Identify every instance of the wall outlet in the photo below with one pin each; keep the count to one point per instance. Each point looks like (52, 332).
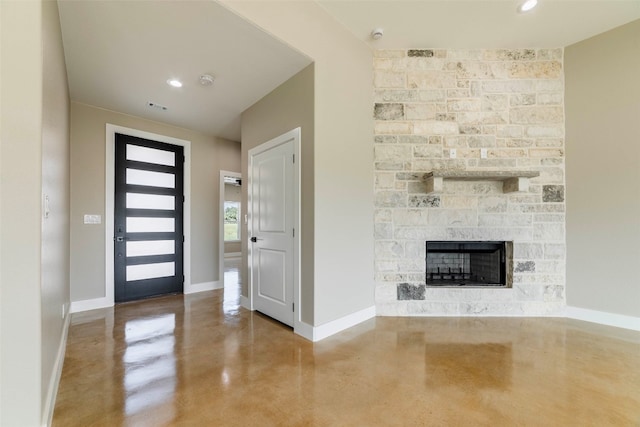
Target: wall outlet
(453, 153)
(483, 153)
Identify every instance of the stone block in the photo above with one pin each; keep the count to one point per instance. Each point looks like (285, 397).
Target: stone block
(385, 266)
(410, 217)
(536, 115)
(382, 215)
(398, 95)
(420, 233)
(430, 79)
(548, 231)
(525, 267)
(422, 53)
(386, 139)
(506, 152)
(439, 164)
(424, 201)
(395, 152)
(494, 102)
(549, 217)
(420, 111)
(459, 202)
(484, 141)
(550, 98)
(527, 250)
(453, 217)
(520, 99)
(383, 231)
(413, 139)
(391, 199)
(420, 187)
(470, 129)
(545, 131)
(509, 131)
(386, 292)
(408, 291)
(393, 128)
(509, 55)
(389, 79)
(446, 117)
(418, 63)
(434, 127)
(388, 111)
(384, 180)
(464, 54)
(495, 163)
(431, 95)
(476, 70)
(504, 220)
(389, 53)
(416, 250)
(555, 250)
(518, 142)
(388, 249)
(471, 104)
(434, 184)
(483, 117)
(535, 70)
(549, 54)
(508, 86)
(553, 193)
(458, 93)
(549, 86)
(550, 142)
(389, 166)
(546, 152)
(429, 151)
(554, 293)
(456, 141)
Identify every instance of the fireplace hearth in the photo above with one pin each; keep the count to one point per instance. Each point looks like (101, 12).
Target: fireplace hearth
(467, 264)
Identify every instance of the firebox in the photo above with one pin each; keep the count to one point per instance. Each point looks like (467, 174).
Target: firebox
(471, 264)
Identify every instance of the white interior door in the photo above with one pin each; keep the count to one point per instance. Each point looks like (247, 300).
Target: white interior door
(271, 210)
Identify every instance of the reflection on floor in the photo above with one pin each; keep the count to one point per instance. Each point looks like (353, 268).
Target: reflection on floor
(201, 360)
(232, 282)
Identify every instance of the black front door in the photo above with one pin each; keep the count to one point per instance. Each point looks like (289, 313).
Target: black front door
(148, 222)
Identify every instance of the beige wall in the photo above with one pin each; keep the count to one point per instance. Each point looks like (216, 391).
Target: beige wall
(33, 251)
(232, 193)
(208, 156)
(55, 184)
(603, 171)
(289, 106)
(343, 155)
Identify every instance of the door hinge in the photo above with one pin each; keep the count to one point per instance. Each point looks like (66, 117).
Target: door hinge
(294, 158)
(183, 279)
(182, 239)
(293, 232)
(184, 159)
(293, 307)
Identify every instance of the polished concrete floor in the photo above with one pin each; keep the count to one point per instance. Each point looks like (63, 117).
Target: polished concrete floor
(201, 360)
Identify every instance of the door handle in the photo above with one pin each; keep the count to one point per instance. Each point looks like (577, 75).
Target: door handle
(255, 239)
(119, 239)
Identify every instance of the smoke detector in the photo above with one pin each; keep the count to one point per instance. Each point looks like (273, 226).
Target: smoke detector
(206, 80)
(377, 33)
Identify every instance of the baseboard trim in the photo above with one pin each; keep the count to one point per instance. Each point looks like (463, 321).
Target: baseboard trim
(90, 304)
(232, 254)
(604, 318)
(245, 302)
(202, 287)
(54, 382)
(317, 333)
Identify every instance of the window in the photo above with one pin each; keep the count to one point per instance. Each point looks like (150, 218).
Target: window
(231, 221)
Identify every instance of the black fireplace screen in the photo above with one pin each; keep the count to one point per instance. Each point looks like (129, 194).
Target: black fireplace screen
(466, 264)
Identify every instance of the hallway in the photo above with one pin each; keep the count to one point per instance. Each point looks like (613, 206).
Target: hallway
(201, 360)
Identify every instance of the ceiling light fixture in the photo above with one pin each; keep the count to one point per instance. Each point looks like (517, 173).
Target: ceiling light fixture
(174, 82)
(527, 5)
(206, 80)
(377, 33)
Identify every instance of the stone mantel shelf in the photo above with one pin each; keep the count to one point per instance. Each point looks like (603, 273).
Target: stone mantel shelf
(513, 180)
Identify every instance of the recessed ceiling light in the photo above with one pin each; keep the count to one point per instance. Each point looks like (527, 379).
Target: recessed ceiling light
(206, 80)
(527, 5)
(174, 82)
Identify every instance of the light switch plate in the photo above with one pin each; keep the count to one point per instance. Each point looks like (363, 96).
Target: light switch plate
(453, 153)
(483, 153)
(92, 219)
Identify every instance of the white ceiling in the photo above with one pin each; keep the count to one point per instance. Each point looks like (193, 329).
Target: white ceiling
(480, 23)
(119, 54)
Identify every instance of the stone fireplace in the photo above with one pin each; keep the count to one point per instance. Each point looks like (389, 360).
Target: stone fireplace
(469, 146)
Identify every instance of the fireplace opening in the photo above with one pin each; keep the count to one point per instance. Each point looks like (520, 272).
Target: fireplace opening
(472, 264)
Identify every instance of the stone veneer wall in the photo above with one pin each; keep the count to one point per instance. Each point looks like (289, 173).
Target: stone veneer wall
(510, 102)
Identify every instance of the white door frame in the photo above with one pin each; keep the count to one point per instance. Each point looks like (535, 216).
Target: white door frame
(111, 131)
(221, 229)
(295, 135)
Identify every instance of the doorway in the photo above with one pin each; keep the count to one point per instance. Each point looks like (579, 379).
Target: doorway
(231, 220)
(274, 228)
(109, 228)
(148, 229)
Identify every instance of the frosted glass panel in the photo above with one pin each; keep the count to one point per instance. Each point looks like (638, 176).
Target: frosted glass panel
(151, 155)
(150, 271)
(154, 179)
(150, 201)
(150, 225)
(150, 247)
